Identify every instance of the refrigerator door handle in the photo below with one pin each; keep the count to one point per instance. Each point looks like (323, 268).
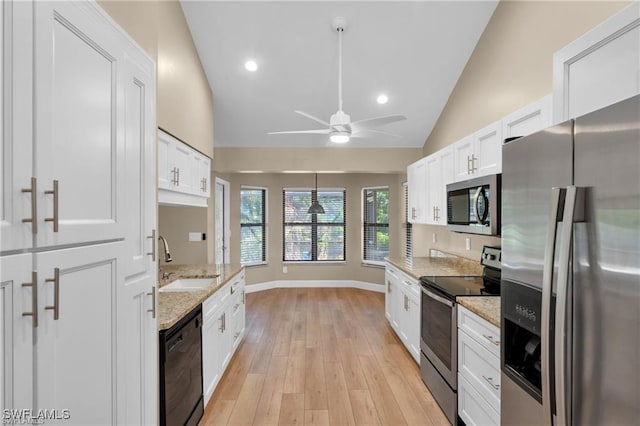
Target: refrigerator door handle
(555, 216)
(573, 212)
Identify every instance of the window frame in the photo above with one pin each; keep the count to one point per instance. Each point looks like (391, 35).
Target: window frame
(264, 224)
(369, 262)
(314, 227)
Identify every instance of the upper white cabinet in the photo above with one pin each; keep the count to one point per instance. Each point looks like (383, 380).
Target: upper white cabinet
(439, 174)
(599, 68)
(417, 188)
(527, 120)
(78, 193)
(479, 154)
(184, 174)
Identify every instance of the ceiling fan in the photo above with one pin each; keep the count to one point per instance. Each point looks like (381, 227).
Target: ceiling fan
(340, 128)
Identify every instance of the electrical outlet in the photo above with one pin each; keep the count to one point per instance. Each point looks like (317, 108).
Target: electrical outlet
(434, 238)
(195, 236)
(285, 269)
(468, 243)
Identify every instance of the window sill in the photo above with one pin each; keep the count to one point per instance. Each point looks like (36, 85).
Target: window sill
(373, 264)
(248, 265)
(314, 262)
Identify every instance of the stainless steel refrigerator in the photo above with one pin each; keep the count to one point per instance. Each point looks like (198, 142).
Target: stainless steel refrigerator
(571, 272)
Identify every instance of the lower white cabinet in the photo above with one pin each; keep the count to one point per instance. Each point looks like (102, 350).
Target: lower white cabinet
(222, 331)
(478, 369)
(402, 308)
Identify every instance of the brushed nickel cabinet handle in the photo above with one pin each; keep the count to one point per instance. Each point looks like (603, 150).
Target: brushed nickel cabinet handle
(56, 294)
(153, 247)
(34, 206)
(55, 218)
(243, 295)
(224, 322)
(490, 338)
(178, 176)
(388, 286)
(34, 298)
(153, 302)
(221, 326)
(490, 381)
(473, 163)
(204, 181)
(173, 176)
(468, 165)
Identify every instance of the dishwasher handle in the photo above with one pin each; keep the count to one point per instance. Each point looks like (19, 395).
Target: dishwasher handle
(175, 343)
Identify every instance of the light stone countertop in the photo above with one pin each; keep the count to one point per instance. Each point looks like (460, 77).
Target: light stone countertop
(487, 307)
(174, 305)
(436, 266)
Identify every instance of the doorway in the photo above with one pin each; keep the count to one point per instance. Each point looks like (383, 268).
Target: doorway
(222, 224)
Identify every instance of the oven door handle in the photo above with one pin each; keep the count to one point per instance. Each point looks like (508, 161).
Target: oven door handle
(440, 299)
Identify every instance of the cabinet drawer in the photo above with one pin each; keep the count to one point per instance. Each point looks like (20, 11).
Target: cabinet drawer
(472, 408)
(214, 301)
(480, 368)
(485, 333)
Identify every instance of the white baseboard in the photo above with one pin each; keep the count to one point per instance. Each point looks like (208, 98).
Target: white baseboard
(252, 288)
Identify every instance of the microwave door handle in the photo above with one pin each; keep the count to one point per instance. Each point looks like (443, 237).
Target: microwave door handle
(475, 206)
(555, 216)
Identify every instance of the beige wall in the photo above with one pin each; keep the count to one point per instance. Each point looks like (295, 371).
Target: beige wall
(353, 160)
(510, 68)
(352, 269)
(184, 104)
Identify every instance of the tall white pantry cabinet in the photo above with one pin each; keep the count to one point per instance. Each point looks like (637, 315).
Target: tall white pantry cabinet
(78, 267)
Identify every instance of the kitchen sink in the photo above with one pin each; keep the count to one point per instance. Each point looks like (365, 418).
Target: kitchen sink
(188, 284)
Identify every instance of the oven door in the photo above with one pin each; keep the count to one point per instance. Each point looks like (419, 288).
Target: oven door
(439, 334)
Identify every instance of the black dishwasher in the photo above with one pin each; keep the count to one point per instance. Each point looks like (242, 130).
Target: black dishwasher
(181, 371)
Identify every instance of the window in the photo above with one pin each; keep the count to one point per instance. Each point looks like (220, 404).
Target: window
(407, 237)
(375, 244)
(253, 224)
(313, 237)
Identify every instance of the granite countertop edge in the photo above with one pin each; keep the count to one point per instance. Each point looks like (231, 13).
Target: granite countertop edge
(436, 266)
(173, 306)
(486, 307)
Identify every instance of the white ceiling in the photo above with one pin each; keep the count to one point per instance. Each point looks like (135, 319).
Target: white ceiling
(413, 51)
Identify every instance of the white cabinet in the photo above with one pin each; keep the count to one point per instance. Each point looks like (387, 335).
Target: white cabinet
(439, 174)
(417, 188)
(402, 306)
(81, 135)
(478, 369)
(479, 154)
(184, 174)
(600, 68)
(222, 331)
(530, 119)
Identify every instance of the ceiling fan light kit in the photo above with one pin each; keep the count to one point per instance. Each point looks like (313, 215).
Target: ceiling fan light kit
(340, 128)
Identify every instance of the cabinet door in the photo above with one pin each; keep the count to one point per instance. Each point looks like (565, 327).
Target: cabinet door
(600, 68)
(211, 353)
(463, 156)
(182, 156)
(78, 297)
(16, 69)
(78, 124)
(434, 190)
(413, 327)
(203, 176)
(416, 181)
(388, 300)
(16, 332)
(165, 166)
(140, 164)
(527, 120)
(447, 175)
(487, 158)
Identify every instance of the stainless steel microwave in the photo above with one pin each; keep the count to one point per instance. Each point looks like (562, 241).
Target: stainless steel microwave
(473, 206)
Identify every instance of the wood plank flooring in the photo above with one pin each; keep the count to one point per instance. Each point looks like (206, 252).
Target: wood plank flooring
(320, 356)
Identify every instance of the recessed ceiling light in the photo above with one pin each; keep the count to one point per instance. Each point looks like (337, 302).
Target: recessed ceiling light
(251, 65)
(382, 99)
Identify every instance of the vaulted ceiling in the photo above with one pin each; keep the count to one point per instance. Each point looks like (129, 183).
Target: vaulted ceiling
(412, 51)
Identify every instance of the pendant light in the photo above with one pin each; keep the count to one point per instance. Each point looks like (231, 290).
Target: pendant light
(316, 208)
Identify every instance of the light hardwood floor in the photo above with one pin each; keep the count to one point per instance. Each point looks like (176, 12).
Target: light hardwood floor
(321, 357)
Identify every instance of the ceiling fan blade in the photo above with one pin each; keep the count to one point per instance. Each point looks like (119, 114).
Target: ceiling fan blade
(316, 132)
(376, 122)
(369, 133)
(309, 116)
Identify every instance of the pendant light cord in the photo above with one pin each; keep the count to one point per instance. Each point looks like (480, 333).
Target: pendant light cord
(340, 30)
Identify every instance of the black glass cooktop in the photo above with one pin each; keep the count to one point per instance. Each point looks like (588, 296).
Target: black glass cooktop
(462, 286)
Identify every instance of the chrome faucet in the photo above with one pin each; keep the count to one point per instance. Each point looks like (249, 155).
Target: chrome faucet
(167, 255)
